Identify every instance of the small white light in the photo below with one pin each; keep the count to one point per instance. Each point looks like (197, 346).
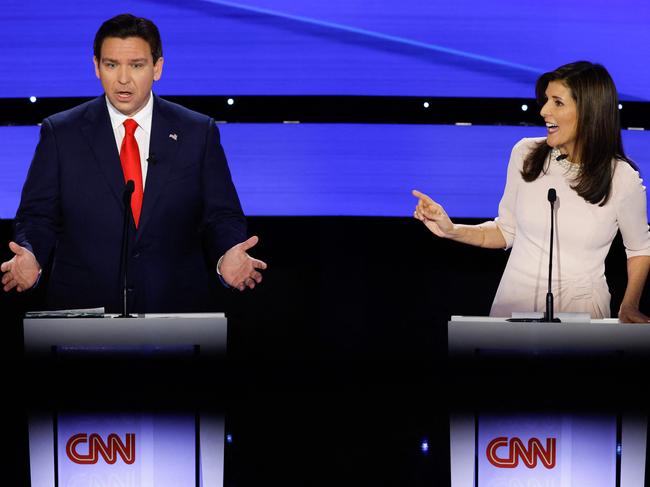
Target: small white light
(231, 101)
(425, 104)
(424, 446)
(228, 438)
(620, 106)
(524, 108)
(32, 99)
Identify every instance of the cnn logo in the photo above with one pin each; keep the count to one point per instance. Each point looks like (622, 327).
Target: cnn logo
(516, 450)
(96, 448)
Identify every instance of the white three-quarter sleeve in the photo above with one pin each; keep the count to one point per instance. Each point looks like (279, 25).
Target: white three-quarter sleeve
(631, 210)
(506, 221)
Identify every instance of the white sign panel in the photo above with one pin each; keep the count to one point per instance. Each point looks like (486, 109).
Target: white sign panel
(126, 450)
(561, 450)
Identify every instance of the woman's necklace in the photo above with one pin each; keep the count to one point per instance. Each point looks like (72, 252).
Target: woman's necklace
(571, 168)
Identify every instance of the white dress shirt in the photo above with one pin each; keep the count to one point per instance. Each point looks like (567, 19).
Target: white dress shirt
(142, 132)
(142, 136)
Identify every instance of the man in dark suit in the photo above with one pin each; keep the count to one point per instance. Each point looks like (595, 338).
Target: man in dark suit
(187, 226)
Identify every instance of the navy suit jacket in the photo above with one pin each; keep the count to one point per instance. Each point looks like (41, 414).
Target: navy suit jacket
(71, 211)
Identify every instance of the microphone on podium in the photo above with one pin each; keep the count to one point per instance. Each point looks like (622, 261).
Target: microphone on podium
(129, 188)
(548, 315)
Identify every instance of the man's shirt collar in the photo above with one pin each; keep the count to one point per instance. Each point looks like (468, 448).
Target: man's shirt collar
(142, 118)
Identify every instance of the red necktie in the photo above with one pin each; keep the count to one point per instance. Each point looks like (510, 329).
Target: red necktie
(130, 159)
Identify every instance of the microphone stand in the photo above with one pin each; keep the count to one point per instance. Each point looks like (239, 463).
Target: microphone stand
(128, 191)
(548, 315)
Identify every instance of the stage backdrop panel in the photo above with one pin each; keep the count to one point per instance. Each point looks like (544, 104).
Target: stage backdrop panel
(464, 48)
(346, 169)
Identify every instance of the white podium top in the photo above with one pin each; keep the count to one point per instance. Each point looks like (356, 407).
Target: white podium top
(467, 334)
(208, 331)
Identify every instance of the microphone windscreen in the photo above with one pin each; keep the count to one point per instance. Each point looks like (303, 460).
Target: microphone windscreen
(552, 195)
(129, 187)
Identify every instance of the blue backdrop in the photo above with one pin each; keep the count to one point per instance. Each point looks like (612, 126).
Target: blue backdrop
(346, 169)
(351, 47)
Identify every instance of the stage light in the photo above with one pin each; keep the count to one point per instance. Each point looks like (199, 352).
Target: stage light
(425, 104)
(228, 438)
(424, 446)
(620, 106)
(32, 99)
(231, 101)
(524, 108)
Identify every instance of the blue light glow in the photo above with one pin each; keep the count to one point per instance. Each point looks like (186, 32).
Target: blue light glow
(424, 446)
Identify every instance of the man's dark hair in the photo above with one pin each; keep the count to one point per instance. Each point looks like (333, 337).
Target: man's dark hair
(598, 132)
(127, 25)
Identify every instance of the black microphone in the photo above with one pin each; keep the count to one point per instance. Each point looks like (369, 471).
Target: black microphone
(126, 198)
(561, 157)
(548, 315)
(129, 188)
(152, 159)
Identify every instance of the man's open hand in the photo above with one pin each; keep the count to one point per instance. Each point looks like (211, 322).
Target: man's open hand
(239, 269)
(22, 271)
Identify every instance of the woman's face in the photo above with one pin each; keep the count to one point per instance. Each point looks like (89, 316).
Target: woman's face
(560, 113)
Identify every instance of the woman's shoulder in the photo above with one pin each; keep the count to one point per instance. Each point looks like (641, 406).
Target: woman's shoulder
(527, 144)
(625, 170)
(521, 150)
(625, 176)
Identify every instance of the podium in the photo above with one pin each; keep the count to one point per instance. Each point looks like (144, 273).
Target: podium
(469, 335)
(125, 447)
(207, 332)
(488, 448)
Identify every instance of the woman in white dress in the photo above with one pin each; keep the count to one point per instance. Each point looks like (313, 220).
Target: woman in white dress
(599, 191)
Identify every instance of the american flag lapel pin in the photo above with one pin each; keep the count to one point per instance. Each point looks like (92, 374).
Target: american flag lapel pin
(173, 136)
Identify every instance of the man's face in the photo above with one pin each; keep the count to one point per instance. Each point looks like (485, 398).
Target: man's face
(127, 71)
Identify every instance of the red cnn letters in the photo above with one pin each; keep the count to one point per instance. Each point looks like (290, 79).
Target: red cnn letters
(96, 447)
(517, 450)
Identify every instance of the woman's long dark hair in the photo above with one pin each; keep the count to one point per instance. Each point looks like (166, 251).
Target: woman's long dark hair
(598, 132)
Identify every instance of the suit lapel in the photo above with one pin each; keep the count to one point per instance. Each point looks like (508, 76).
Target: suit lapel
(163, 146)
(99, 134)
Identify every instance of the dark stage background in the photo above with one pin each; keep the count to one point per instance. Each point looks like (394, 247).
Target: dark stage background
(351, 288)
